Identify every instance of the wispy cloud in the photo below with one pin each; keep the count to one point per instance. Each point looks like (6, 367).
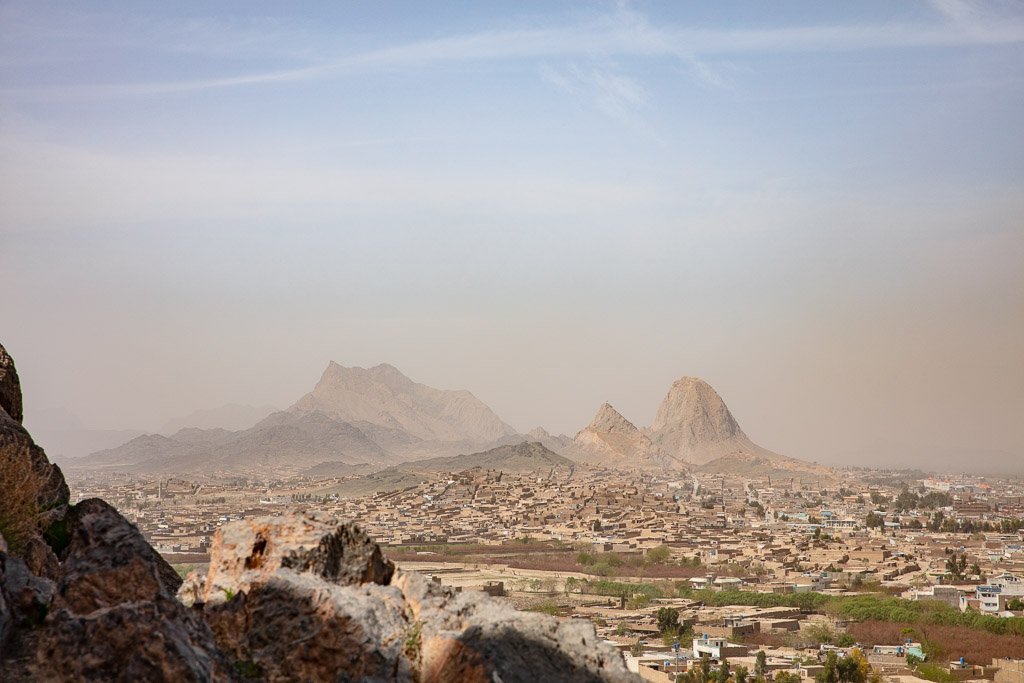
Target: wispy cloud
(620, 33)
(614, 93)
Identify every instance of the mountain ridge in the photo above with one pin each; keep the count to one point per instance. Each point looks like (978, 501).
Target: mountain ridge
(385, 397)
(380, 418)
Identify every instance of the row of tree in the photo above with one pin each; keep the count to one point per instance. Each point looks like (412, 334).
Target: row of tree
(850, 668)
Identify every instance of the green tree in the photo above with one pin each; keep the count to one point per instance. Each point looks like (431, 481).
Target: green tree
(723, 671)
(956, 566)
(659, 555)
(668, 620)
(740, 676)
(830, 670)
(705, 667)
(852, 668)
(760, 664)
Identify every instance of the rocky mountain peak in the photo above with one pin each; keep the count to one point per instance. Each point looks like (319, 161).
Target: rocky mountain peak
(357, 377)
(390, 375)
(384, 397)
(610, 439)
(693, 407)
(610, 421)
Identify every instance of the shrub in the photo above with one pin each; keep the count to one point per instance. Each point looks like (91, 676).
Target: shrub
(638, 601)
(931, 672)
(659, 555)
(19, 508)
(546, 607)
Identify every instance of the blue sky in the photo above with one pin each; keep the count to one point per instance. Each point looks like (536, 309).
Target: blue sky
(808, 204)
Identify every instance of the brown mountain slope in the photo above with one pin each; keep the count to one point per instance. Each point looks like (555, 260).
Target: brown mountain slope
(383, 396)
(613, 441)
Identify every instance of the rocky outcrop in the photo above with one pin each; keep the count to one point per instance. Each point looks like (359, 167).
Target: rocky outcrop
(246, 553)
(693, 423)
(83, 596)
(35, 495)
(613, 441)
(111, 616)
(107, 562)
(349, 616)
(10, 387)
(115, 614)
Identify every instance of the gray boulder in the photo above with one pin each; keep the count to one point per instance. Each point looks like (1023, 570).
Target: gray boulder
(252, 550)
(297, 627)
(304, 597)
(470, 637)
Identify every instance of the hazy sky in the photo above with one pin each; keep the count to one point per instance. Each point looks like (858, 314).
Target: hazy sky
(817, 207)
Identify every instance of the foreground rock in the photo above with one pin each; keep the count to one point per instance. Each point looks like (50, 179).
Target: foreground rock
(83, 596)
(107, 562)
(302, 597)
(115, 615)
(34, 495)
(10, 387)
(466, 637)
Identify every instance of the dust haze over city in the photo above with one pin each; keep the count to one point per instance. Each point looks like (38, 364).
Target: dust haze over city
(268, 258)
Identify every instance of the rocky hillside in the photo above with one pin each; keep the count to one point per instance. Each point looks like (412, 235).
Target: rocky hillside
(550, 441)
(522, 457)
(84, 597)
(610, 440)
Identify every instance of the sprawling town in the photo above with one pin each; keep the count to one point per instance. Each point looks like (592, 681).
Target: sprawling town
(910, 576)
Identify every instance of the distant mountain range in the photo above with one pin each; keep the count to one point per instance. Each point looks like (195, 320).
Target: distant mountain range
(357, 419)
(353, 416)
(232, 416)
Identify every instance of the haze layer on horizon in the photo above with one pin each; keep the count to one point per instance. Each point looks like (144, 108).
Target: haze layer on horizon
(816, 207)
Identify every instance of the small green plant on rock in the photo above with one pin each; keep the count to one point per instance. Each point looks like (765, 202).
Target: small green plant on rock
(414, 640)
